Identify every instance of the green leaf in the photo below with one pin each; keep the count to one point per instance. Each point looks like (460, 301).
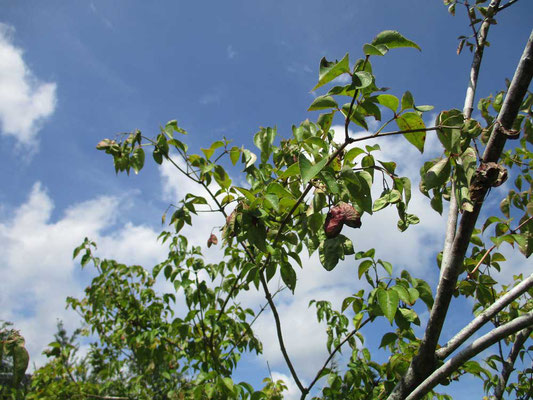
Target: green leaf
(392, 40)
(388, 301)
(292, 170)
(279, 190)
(264, 140)
(307, 170)
(330, 70)
(325, 120)
(362, 79)
(450, 137)
(228, 383)
(407, 101)
(363, 267)
(322, 103)
(288, 276)
(410, 121)
(387, 339)
(234, 155)
(330, 252)
(371, 50)
(389, 101)
(438, 174)
(356, 116)
(352, 153)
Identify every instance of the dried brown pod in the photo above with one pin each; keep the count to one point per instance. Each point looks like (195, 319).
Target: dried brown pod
(342, 213)
(213, 240)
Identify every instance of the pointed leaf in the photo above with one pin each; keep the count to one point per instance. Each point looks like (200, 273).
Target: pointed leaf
(410, 121)
(393, 39)
(307, 170)
(388, 301)
(322, 103)
(389, 101)
(330, 70)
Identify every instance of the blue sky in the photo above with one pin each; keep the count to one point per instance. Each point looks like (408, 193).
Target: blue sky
(73, 73)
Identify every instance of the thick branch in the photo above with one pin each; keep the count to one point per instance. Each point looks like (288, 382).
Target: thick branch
(484, 317)
(424, 363)
(474, 349)
(520, 339)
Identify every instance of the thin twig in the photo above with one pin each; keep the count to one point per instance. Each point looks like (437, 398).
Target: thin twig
(510, 3)
(335, 350)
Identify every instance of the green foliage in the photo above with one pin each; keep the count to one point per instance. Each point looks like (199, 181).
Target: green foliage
(299, 194)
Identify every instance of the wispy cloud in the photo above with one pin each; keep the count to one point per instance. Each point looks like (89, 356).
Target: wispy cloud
(25, 101)
(230, 52)
(213, 97)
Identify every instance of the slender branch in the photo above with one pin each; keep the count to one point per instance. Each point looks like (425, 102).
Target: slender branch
(335, 350)
(277, 320)
(472, 24)
(377, 134)
(510, 3)
(508, 364)
(484, 317)
(239, 341)
(350, 109)
(472, 350)
(471, 273)
(481, 39)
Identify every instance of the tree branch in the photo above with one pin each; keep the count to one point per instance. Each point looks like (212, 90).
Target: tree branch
(510, 3)
(472, 350)
(277, 320)
(508, 364)
(483, 318)
(335, 350)
(424, 362)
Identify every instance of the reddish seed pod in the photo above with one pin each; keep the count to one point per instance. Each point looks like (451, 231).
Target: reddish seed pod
(342, 213)
(213, 240)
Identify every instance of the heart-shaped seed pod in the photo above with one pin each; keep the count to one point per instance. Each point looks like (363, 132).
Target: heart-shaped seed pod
(350, 215)
(213, 240)
(333, 224)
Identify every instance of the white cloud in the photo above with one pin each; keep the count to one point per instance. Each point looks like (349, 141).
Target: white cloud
(36, 264)
(25, 101)
(292, 392)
